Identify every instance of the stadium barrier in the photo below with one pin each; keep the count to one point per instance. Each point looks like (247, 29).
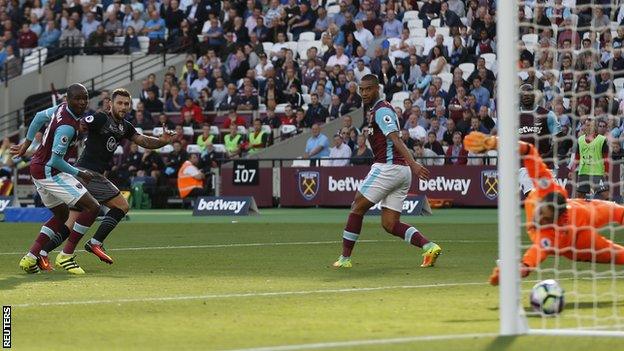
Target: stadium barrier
(464, 186)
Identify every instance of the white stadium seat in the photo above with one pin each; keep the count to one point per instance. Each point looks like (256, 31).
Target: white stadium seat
(307, 36)
(188, 131)
(193, 149)
(220, 148)
(158, 131)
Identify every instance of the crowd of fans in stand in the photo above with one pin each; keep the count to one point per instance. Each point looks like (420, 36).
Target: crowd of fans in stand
(435, 65)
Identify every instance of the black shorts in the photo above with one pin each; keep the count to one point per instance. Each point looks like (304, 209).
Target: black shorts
(100, 187)
(587, 183)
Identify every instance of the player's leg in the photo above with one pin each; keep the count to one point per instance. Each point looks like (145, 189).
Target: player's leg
(118, 208)
(601, 249)
(56, 240)
(74, 194)
(352, 229)
(391, 222)
(29, 263)
(370, 193)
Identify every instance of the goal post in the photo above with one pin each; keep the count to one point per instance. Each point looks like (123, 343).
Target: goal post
(594, 291)
(512, 320)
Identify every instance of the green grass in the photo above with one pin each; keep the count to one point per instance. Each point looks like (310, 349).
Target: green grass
(223, 283)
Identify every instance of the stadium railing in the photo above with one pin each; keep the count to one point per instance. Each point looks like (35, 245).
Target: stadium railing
(12, 121)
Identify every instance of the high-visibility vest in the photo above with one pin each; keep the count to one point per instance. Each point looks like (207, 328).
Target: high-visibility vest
(231, 144)
(186, 183)
(255, 142)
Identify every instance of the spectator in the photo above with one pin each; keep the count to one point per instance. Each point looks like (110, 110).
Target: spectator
(456, 154)
(27, 39)
(351, 100)
(71, 36)
(191, 180)
(249, 100)
(231, 100)
(50, 36)
(174, 17)
(476, 126)
(302, 22)
(233, 142)
(426, 156)
(258, 139)
(142, 122)
(152, 103)
(12, 64)
(155, 31)
(193, 111)
(163, 121)
(89, 24)
(434, 144)
(205, 139)
(480, 93)
(135, 22)
(362, 155)
(392, 28)
(233, 119)
(339, 58)
(97, 42)
(175, 159)
(335, 107)
(113, 26)
(131, 41)
(339, 150)
(272, 119)
(198, 83)
(316, 113)
(317, 145)
(447, 137)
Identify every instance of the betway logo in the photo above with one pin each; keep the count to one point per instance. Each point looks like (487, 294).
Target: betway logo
(441, 183)
(562, 181)
(220, 205)
(4, 204)
(346, 184)
(408, 206)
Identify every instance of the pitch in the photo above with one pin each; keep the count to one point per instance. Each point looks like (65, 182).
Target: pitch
(265, 283)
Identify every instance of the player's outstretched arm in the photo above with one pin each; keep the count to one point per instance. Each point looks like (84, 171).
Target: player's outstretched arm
(419, 170)
(149, 142)
(41, 118)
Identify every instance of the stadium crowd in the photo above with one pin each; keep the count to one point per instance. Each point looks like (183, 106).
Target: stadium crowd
(299, 63)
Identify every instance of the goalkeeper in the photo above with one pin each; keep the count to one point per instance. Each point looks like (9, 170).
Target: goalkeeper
(555, 224)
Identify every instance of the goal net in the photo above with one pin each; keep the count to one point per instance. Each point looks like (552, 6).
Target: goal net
(569, 55)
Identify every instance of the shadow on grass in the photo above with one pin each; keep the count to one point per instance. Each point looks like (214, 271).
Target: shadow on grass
(14, 281)
(501, 343)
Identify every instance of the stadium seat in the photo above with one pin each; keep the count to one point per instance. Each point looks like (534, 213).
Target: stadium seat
(325, 162)
(447, 79)
(410, 15)
(436, 23)
(529, 39)
(287, 129)
(167, 149)
(332, 10)
(193, 149)
(266, 128)
(301, 163)
(394, 42)
(135, 103)
(305, 89)
(138, 130)
(219, 148)
(445, 31)
(158, 131)
(306, 98)
(144, 44)
(307, 36)
(619, 84)
(493, 154)
(267, 45)
(241, 130)
(415, 24)
(400, 96)
(280, 108)
(418, 32)
(188, 131)
(490, 60)
(214, 130)
(119, 41)
(467, 69)
(119, 150)
(292, 45)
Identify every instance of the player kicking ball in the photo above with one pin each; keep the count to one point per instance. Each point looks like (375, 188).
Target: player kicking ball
(555, 224)
(106, 130)
(55, 179)
(387, 182)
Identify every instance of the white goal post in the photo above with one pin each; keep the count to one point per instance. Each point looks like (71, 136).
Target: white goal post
(576, 319)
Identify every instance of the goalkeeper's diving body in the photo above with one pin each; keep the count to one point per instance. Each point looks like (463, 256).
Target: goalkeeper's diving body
(556, 224)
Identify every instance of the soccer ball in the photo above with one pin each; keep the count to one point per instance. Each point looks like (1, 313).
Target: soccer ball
(547, 297)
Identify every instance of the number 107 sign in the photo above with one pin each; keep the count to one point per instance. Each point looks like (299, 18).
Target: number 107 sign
(245, 172)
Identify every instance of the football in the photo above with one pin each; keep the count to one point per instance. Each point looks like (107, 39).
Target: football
(547, 297)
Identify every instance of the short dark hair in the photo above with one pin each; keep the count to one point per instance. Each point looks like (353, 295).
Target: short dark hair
(75, 89)
(371, 78)
(557, 201)
(120, 92)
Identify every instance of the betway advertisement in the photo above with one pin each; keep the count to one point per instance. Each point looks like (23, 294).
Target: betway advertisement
(468, 186)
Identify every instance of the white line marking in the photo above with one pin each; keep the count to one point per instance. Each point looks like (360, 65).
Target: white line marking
(325, 345)
(239, 295)
(212, 246)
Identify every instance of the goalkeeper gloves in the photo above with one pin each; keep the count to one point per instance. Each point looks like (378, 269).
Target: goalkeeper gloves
(477, 142)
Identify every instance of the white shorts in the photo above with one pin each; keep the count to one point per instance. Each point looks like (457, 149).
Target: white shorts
(62, 188)
(387, 184)
(526, 183)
